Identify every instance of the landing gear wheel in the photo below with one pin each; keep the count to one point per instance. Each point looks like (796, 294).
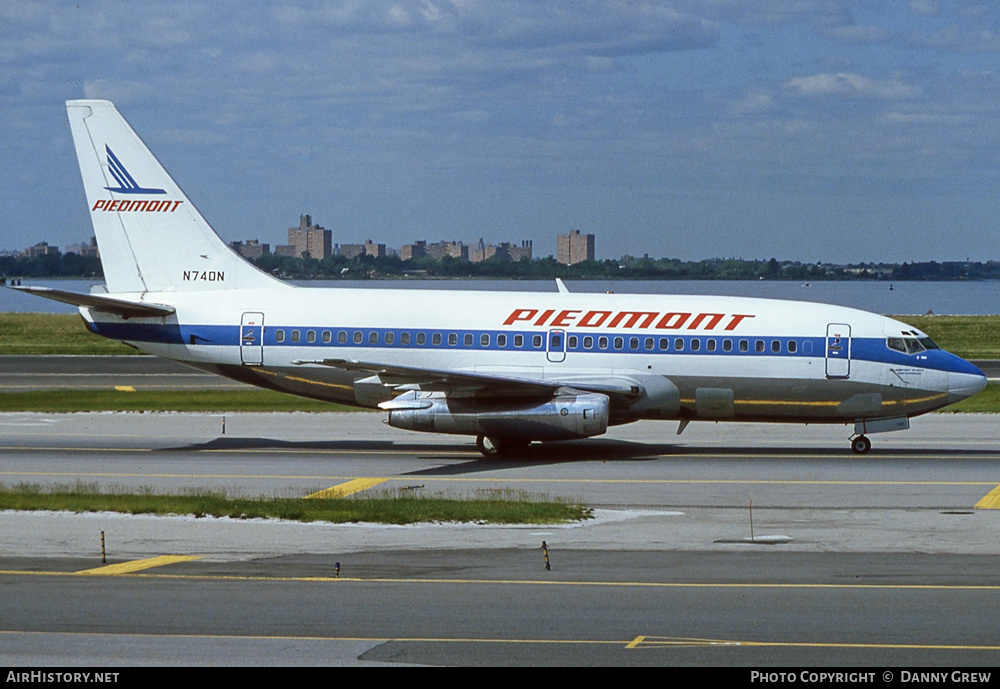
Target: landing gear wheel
(861, 445)
(491, 447)
(486, 446)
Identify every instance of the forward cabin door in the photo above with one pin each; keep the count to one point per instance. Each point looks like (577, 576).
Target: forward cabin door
(555, 349)
(252, 339)
(838, 350)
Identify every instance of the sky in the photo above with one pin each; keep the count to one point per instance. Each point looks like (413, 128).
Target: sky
(807, 130)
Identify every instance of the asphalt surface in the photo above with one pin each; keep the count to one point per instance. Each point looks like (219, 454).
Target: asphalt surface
(748, 546)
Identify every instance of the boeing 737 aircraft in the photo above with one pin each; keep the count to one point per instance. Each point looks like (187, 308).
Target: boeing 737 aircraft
(508, 368)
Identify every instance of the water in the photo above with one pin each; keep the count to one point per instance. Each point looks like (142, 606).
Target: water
(898, 298)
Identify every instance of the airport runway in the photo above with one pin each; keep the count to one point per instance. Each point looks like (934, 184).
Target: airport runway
(25, 373)
(882, 560)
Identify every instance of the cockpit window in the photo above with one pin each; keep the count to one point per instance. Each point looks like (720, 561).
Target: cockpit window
(910, 345)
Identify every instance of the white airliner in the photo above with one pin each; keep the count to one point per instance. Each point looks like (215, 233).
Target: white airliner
(508, 368)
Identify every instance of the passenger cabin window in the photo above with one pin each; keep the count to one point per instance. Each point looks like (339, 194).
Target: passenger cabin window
(536, 341)
(342, 336)
(602, 342)
(633, 343)
(519, 341)
(279, 335)
(588, 342)
(619, 342)
(327, 337)
(710, 345)
(390, 338)
(664, 344)
(759, 345)
(679, 344)
(775, 346)
(358, 337)
(744, 346)
(421, 338)
(501, 340)
(436, 339)
(404, 338)
(572, 342)
(311, 336)
(452, 339)
(484, 340)
(295, 336)
(792, 346)
(695, 344)
(468, 339)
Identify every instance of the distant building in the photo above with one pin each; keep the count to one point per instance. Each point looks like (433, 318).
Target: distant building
(41, 249)
(416, 250)
(454, 249)
(516, 253)
(505, 251)
(574, 248)
(369, 248)
(480, 251)
(251, 249)
(89, 249)
(309, 239)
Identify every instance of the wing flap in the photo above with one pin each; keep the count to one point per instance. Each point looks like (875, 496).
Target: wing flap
(454, 383)
(480, 384)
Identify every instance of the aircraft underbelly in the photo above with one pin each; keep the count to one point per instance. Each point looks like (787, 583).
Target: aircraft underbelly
(800, 400)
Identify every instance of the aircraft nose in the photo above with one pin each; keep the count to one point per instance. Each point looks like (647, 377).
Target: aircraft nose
(965, 383)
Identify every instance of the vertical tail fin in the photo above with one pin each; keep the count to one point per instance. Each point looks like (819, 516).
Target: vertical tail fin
(152, 239)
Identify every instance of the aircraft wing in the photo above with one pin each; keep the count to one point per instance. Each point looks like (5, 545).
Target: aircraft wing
(474, 383)
(104, 303)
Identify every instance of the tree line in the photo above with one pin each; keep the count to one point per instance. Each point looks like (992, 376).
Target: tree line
(626, 267)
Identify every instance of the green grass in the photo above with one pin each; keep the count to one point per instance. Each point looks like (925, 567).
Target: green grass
(249, 400)
(986, 402)
(970, 337)
(51, 333)
(498, 507)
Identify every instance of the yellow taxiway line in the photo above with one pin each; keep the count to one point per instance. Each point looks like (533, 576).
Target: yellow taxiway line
(990, 501)
(342, 490)
(138, 565)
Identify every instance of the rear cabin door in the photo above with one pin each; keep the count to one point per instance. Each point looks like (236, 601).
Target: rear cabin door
(252, 339)
(838, 350)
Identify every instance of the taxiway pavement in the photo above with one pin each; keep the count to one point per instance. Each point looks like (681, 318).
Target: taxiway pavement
(880, 560)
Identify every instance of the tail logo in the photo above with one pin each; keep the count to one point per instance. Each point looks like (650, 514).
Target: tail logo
(126, 183)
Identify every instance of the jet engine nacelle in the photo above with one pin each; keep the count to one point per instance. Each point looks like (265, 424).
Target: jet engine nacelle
(566, 416)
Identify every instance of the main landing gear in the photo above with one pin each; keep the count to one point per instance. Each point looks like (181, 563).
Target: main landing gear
(491, 447)
(860, 444)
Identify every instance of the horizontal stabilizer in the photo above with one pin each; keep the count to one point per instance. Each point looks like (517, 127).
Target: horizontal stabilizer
(121, 307)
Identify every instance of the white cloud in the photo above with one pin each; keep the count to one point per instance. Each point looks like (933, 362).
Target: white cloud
(851, 86)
